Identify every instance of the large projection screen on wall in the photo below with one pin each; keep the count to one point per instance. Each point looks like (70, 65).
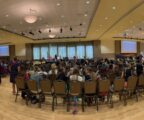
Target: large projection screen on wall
(4, 50)
(128, 46)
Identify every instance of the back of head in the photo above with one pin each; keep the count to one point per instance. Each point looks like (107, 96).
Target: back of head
(15, 59)
(76, 72)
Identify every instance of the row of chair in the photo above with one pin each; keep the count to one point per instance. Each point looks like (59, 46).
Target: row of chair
(89, 89)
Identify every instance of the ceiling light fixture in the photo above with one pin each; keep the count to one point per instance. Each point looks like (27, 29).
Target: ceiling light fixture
(52, 36)
(85, 15)
(114, 7)
(31, 17)
(4, 26)
(7, 15)
(21, 22)
(106, 18)
(87, 2)
(58, 4)
(62, 16)
(131, 21)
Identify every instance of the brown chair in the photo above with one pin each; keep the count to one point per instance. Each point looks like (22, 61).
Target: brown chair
(141, 80)
(104, 87)
(119, 88)
(140, 85)
(90, 88)
(20, 84)
(59, 91)
(45, 86)
(52, 78)
(75, 90)
(33, 88)
(131, 88)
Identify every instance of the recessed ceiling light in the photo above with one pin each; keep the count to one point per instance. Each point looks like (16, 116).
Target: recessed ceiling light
(131, 21)
(88, 2)
(7, 15)
(114, 7)
(65, 23)
(4, 26)
(84, 23)
(58, 4)
(85, 15)
(134, 26)
(62, 16)
(40, 18)
(106, 18)
(21, 23)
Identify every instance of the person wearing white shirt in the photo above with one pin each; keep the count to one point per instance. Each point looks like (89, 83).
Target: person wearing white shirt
(76, 77)
(53, 69)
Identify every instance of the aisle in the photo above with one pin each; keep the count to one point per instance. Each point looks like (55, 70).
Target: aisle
(9, 110)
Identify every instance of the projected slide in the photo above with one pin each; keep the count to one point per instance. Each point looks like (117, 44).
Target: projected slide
(128, 46)
(4, 50)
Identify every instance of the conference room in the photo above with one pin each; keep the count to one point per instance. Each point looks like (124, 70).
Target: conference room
(71, 59)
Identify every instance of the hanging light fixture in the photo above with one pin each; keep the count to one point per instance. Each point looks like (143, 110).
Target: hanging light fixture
(31, 17)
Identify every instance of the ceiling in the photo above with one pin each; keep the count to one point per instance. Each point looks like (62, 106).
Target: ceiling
(135, 32)
(55, 18)
(104, 20)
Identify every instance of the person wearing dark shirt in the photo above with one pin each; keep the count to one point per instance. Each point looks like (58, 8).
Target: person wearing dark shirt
(61, 75)
(14, 69)
(139, 69)
(128, 72)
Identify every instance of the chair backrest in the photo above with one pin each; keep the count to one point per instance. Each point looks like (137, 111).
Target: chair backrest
(118, 84)
(90, 87)
(141, 80)
(132, 81)
(20, 83)
(52, 78)
(93, 77)
(59, 87)
(104, 85)
(45, 85)
(75, 88)
(111, 77)
(32, 86)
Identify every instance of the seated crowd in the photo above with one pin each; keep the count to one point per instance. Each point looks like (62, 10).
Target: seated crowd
(83, 70)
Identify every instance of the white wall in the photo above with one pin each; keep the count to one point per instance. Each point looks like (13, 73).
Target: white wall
(107, 46)
(20, 50)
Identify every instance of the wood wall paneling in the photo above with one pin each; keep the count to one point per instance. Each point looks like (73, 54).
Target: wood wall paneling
(97, 48)
(12, 51)
(29, 51)
(117, 47)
